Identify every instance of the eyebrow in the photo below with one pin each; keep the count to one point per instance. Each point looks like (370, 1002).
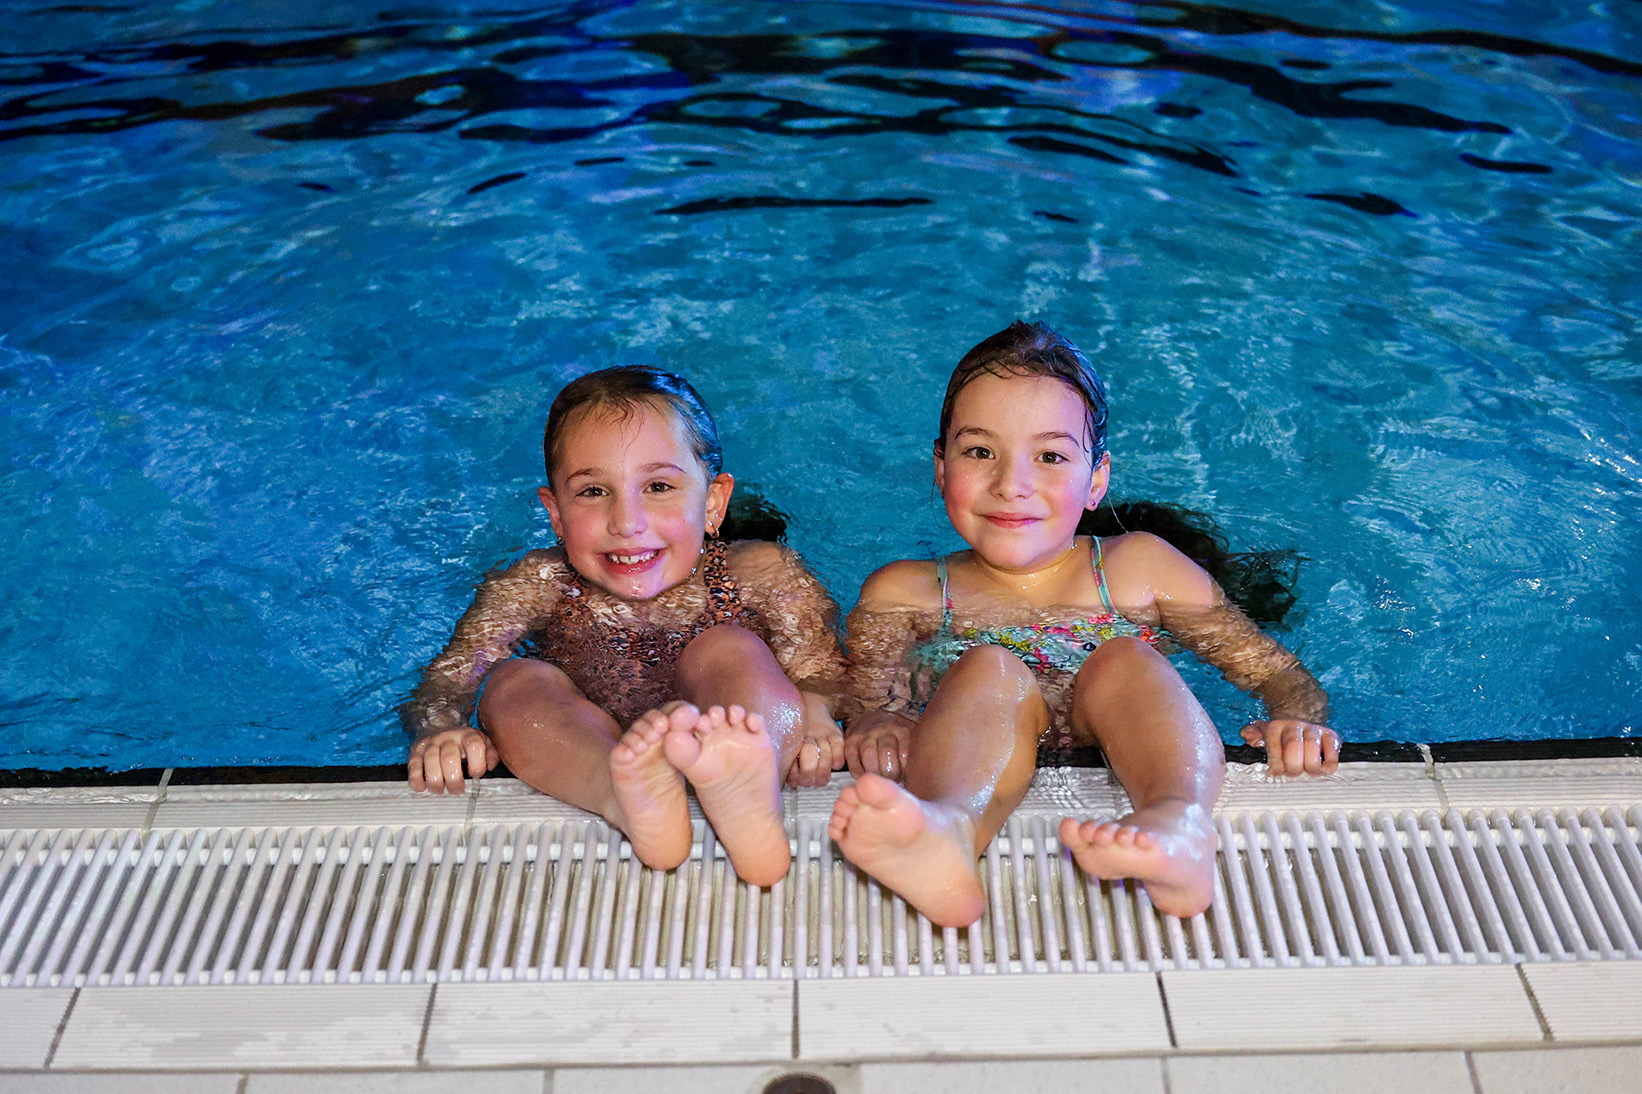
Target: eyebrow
(595, 472)
(1049, 436)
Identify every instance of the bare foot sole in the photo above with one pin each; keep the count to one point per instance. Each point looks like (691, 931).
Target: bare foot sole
(732, 763)
(1169, 848)
(921, 851)
(650, 791)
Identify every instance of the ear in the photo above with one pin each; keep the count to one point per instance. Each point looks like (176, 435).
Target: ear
(551, 504)
(940, 469)
(718, 500)
(1101, 480)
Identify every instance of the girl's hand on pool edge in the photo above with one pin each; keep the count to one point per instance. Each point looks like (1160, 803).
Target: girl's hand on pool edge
(820, 753)
(1294, 747)
(878, 743)
(436, 760)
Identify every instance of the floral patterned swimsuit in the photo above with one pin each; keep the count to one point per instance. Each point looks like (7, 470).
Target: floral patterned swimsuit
(1048, 649)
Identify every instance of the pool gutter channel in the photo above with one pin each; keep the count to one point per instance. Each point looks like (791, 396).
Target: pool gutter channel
(313, 885)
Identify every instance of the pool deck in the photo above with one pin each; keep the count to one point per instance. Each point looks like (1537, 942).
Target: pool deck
(1464, 1027)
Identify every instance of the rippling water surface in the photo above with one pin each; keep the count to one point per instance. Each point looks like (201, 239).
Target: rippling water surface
(285, 289)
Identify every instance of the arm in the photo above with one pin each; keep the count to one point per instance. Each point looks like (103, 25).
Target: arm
(1195, 611)
(439, 713)
(880, 707)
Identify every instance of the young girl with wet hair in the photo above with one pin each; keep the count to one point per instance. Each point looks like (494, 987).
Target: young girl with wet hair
(960, 665)
(652, 653)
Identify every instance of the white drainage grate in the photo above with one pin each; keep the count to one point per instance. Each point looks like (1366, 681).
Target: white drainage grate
(560, 899)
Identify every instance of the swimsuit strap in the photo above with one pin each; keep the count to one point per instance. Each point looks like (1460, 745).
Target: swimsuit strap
(946, 598)
(1100, 574)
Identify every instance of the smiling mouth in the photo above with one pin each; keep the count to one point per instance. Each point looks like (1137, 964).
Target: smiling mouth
(634, 558)
(1010, 520)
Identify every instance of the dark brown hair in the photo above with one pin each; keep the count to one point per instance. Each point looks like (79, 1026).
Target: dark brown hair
(1032, 349)
(625, 388)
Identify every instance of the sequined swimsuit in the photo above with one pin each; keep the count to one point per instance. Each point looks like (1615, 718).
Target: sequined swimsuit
(628, 671)
(1048, 649)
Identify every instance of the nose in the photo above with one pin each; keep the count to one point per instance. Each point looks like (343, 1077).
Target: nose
(1012, 479)
(627, 517)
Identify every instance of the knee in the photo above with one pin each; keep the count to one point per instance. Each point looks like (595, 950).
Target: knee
(1121, 659)
(725, 644)
(509, 684)
(993, 662)
(1123, 650)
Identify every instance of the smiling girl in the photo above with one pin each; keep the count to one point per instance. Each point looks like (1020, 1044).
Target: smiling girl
(650, 653)
(960, 665)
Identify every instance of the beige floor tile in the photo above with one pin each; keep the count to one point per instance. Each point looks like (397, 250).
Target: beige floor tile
(1589, 1000)
(1300, 1009)
(116, 1083)
(980, 1017)
(30, 1017)
(1141, 1075)
(692, 1080)
(245, 1027)
(1334, 1073)
(401, 1082)
(651, 1022)
(1616, 1070)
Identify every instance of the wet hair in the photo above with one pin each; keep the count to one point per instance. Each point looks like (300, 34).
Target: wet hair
(1032, 349)
(625, 389)
(1259, 582)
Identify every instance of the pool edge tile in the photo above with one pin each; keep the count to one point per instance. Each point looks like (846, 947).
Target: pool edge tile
(30, 1018)
(992, 1017)
(244, 1027)
(1365, 1008)
(587, 1023)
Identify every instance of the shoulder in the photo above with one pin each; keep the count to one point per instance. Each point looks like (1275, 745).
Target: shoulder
(909, 583)
(760, 554)
(546, 569)
(1142, 568)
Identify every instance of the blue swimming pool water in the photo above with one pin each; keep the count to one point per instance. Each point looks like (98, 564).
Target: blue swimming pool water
(285, 289)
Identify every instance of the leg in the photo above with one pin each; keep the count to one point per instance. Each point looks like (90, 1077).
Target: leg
(973, 753)
(734, 753)
(554, 739)
(1165, 751)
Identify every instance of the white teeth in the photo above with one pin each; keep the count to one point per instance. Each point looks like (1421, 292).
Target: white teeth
(630, 560)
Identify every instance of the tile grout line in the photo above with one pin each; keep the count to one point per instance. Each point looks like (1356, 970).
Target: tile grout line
(1168, 1018)
(244, 1081)
(62, 1028)
(427, 1025)
(795, 1041)
(159, 799)
(1471, 1070)
(1533, 1001)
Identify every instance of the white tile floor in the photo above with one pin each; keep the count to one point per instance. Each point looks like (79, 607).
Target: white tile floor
(1484, 1029)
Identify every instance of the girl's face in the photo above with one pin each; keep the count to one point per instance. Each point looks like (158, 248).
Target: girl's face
(631, 502)
(1017, 475)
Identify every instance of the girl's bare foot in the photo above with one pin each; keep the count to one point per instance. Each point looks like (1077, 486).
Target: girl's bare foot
(921, 850)
(1168, 846)
(733, 765)
(655, 814)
